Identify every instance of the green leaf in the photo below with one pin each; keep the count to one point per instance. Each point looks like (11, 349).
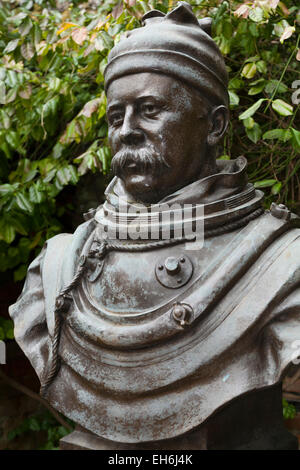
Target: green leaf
(254, 31)
(236, 83)
(233, 98)
(289, 410)
(25, 27)
(17, 18)
(254, 133)
(280, 27)
(282, 108)
(276, 188)
(107, 40)
(5, 119)
(50, 107)
(295, 138)
(227, 29)
(264, 183)
(261, 66)
(35, 195)
(281, 134)
(254, 58)
(12, 139)
(36, 34)
(249, 70)
(257, 89)
(252, 110)
(249, 123)
(27, 50)
(103, 65)
(25, 92)
(11, 46)
(63, 176)
(6, 189)
(5, 148)
(99, 44)
(50, 175)
(55, 84)
(7, 325)
(2, 334)
(23, 202)
(19, 223)
(73, 174)
(224, 157)
(12, 78)
(34, 425)
(29, 176)
(11, 95)
(10, 333)
(7, 231)
(289, 30)
(57, 150)
(273, 84)
(256, 14)
(2, 92)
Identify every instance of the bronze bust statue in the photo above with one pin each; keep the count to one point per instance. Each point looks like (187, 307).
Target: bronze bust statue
(141, 334)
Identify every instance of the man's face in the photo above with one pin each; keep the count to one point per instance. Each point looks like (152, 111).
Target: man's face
(158, 134)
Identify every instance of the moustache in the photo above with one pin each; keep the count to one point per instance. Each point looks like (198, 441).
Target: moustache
(144, 160)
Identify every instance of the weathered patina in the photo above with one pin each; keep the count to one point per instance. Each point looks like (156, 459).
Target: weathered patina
(145, 332)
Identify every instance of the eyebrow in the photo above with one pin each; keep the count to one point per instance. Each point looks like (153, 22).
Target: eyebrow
(117, 105)
(113, 106)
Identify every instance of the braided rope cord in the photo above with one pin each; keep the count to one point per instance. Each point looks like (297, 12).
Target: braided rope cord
(63, 300)
(62, 304)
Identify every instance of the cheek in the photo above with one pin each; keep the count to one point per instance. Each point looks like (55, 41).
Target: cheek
(113, 139)
(168, 131)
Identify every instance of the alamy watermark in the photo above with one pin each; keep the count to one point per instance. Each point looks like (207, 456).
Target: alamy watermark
(155, 222)
(2, 352)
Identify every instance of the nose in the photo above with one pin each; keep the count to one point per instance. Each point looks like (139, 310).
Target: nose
(130, 133)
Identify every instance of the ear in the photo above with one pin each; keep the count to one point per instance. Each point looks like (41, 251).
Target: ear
(219, 118)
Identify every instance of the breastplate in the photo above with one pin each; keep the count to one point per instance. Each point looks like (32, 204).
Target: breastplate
(147, 297)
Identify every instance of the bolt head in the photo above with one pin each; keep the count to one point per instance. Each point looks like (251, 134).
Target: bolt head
(172, 265)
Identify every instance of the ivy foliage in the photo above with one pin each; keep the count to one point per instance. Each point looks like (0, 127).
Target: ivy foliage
(45, 425)
(6, 329)
(53, 129)
(289, 410)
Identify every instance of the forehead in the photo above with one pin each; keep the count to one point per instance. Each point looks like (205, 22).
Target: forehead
(146, 84)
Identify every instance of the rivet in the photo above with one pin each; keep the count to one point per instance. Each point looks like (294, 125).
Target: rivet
(280, 211)
(182, 313)
(160, 267)
(182, 260)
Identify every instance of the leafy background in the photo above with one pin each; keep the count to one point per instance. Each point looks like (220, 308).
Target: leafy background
(54, 155)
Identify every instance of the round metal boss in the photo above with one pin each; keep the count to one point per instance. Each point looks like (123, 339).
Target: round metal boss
(174, 271)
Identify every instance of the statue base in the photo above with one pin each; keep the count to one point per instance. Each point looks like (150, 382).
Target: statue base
(251, 422)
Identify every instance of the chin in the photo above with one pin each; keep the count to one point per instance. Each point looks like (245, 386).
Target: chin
(142, 188)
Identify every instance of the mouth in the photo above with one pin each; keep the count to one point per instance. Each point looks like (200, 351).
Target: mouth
(137, 162)
(131, 165)
(131, 168)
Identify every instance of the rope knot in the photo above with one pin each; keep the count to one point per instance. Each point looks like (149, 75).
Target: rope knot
(102, 250)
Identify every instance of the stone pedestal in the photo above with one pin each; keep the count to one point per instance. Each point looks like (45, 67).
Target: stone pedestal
(251, 422)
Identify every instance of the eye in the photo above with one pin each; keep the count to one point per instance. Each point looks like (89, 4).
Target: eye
(116, 118)
(149, 109)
